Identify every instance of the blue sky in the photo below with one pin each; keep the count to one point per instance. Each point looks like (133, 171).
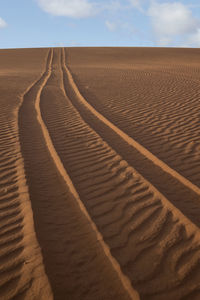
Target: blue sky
(45, 23)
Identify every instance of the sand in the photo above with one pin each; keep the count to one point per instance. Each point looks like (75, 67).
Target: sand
(100, 173)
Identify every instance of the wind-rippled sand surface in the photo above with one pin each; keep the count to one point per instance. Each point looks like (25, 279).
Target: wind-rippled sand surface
(100, 173)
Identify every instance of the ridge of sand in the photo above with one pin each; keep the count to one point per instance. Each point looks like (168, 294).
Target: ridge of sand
(44, 143)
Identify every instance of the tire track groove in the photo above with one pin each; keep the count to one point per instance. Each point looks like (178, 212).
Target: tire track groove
(20, 257)
(125, 241)
(60, 235)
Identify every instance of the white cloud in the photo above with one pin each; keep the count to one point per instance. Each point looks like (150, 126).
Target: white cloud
(2, 23)
(68, 8)
(171, 21)
(135, 2)
(111, 25)
(79, 8)
(121, 28)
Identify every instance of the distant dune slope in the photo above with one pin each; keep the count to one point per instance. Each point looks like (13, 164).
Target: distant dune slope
(152, 94)
(21, 269)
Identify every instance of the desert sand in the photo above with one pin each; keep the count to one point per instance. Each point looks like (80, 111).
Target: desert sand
(100, 174)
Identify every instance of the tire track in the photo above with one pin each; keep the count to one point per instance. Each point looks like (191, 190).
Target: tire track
(56, 212)
(136, 221)
(170, 183)
(21, 267)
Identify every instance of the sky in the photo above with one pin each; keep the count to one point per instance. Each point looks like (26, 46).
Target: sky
(54, 23)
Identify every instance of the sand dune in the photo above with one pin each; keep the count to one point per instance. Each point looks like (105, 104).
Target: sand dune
(99, 174)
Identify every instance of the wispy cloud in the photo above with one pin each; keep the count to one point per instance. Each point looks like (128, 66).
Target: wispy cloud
(137, 4)
(111, 25)
(113, 5)
(2, 23)
(122, 29)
